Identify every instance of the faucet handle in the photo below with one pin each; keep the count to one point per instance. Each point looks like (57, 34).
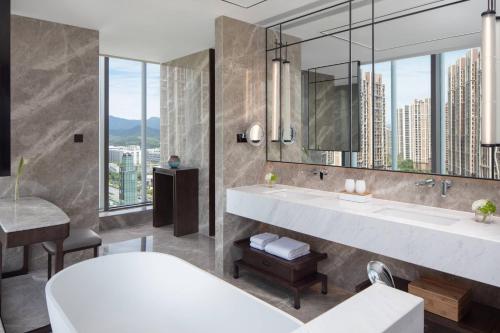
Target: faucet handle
(429, 182)
(445, 186)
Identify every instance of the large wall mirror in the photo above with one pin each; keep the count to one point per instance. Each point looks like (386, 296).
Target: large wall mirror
(380, 84)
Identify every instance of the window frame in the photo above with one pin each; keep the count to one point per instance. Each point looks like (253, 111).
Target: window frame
(104, 99)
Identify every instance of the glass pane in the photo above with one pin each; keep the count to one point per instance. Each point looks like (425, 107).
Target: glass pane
(124, 132)
(375, 126)
(463, 154)
(413, 114)
(153, 126)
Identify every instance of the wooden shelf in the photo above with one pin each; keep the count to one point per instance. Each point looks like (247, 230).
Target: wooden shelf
(295, 275)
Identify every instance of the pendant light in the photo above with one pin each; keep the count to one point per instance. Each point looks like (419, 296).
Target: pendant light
(275, 117)
(286, 108)
(488, 77)
(497, 64)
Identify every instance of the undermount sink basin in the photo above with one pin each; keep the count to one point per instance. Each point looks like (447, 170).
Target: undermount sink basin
(417, 216)
(294, 195)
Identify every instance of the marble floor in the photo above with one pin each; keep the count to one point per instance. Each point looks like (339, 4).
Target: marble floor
(24, 306)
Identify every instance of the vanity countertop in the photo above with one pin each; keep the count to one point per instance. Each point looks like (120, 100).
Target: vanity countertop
(29, 213)
(442, 239)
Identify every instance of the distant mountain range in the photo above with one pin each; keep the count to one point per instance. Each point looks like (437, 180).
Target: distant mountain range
(124, 132)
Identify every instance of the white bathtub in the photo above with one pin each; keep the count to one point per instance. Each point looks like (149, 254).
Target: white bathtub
(154, 292)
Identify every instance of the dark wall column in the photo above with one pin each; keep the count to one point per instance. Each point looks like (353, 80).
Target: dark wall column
(4, 87)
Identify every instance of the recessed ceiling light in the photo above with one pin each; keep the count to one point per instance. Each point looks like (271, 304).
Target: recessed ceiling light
(245, 3)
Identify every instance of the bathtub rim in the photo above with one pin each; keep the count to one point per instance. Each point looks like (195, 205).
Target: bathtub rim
(48, 286)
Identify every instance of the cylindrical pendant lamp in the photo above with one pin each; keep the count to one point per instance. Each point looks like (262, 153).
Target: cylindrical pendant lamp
(488, 78)
(275, 108)
(497, 64)
(286, 106)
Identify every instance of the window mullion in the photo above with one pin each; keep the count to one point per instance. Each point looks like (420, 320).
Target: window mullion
(143, 132)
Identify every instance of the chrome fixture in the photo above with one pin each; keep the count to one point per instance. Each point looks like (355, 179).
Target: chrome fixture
(322, 173)
(254, 135)
(378, 272)
(275, 127)
(488, 76)
(445, 186)
(429, 182)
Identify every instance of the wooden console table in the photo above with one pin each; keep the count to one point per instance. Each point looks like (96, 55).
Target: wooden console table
(175, 199)
(295, 275)
(29, 221)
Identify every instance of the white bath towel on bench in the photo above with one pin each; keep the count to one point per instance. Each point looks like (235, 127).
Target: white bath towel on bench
(288, 248)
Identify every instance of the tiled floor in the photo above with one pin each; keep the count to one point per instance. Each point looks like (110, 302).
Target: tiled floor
(24, 306)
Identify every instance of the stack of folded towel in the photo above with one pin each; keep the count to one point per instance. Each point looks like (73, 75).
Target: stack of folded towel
(261, 240)
(284, 247)
(287, 248)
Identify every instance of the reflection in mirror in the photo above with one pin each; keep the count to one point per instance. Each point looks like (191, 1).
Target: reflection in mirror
(255, 135)
(410, 100)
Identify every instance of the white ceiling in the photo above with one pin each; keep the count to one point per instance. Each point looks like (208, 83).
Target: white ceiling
(161, 30)
(154, 30)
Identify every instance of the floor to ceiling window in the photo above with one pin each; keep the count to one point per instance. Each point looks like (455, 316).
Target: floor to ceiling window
(130, 137)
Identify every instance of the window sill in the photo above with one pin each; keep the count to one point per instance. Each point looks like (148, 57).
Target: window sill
(126, 210)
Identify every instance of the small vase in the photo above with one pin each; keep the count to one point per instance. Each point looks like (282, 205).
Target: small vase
(350, 185)
(360, 186)
(483, 218)
(271, 183)
(174, 161)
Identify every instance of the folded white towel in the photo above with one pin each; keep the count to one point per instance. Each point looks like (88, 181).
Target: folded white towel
(257, 246)
(263, 239)
(287, 248)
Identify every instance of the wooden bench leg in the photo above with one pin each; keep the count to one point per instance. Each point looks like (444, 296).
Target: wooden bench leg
(49, 266)
(324, 285)
(96, 251)
(236, 271)
(296, 299)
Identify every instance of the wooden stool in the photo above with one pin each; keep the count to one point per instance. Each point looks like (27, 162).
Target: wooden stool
(78, 240)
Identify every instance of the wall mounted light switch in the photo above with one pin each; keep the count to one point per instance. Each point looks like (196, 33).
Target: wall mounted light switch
(78, 138)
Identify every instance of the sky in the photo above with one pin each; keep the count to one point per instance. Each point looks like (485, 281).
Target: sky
(125, 89)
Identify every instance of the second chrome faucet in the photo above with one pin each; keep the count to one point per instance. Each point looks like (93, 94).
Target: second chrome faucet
(430, 182)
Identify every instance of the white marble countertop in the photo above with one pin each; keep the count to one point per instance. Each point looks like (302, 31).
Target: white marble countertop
(463, 247)
(377, 309)
(29, 213)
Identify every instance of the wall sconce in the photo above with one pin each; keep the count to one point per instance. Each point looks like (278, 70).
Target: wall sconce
(276, 64)
(254, 135)
(488, 77)
(286, 106)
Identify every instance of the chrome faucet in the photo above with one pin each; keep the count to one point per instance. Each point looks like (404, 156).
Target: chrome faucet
(429, 182)
(445, 186)
(321, 173)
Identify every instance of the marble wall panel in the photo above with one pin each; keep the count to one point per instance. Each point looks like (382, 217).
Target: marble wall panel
(240, 101)
(185, 119)
(54, 78)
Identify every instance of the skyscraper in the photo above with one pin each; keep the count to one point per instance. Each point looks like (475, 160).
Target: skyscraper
(372, 124)
(128, 180)
(414, 133)
(464, 154)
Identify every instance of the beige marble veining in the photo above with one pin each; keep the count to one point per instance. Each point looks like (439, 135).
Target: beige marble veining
(240, 101)
(185, 119)
(54, 78)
